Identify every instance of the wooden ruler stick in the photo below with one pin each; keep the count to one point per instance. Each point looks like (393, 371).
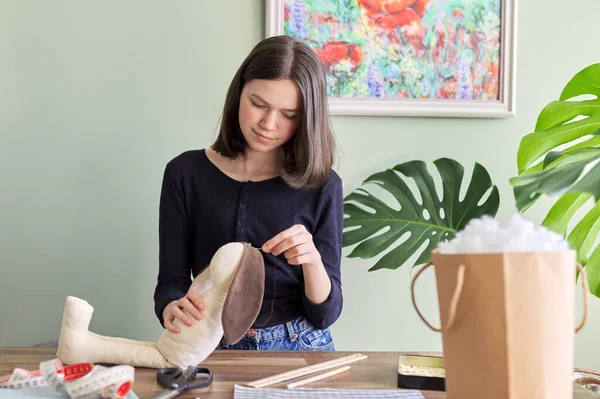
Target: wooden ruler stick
(313, 368)
(318, 377)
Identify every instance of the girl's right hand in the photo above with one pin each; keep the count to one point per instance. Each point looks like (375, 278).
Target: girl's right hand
(192, 302)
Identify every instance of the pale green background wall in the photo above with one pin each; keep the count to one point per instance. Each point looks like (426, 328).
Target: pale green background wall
(95, 98)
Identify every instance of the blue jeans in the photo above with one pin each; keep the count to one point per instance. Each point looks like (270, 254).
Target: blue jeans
(295, 335)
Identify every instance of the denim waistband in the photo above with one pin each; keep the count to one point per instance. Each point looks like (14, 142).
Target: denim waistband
(288, 329)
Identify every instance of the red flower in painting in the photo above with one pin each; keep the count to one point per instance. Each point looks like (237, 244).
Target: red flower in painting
(333, 53)
(457, 13)
(449, 89)
(419, 6)
(391, 14)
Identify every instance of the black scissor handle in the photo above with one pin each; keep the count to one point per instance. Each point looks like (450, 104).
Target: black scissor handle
(172, 377)
(202, 383)
(168, 376)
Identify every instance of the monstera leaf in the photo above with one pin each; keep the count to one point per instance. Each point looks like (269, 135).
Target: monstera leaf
(561, 158)
(376, 226)
(562, 172)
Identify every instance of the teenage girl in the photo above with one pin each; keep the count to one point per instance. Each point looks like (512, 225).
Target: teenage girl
(267, 180)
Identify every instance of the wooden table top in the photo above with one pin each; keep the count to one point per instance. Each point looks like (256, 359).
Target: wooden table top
(378, 371)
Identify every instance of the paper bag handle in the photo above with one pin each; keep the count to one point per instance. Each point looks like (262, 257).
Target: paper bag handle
(586, 290)
(458, 291)
(453, 303)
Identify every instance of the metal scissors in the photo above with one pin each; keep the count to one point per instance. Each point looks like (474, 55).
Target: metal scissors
(177, 380)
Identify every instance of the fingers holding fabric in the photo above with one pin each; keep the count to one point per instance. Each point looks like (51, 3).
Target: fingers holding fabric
(188, 309)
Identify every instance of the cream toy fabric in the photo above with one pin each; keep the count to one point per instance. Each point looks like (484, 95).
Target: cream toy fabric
(232, 286)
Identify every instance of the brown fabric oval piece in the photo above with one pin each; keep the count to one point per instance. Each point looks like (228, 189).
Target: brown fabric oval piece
(245, 295)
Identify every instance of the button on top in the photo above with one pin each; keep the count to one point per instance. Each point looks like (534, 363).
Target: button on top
(240, 223)
(245, 188)
(242, 206)
(252, 332)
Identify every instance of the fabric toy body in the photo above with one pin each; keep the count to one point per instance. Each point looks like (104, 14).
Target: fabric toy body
(232, 286)
(198, 341)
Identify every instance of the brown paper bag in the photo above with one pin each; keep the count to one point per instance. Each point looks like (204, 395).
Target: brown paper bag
(508, 323)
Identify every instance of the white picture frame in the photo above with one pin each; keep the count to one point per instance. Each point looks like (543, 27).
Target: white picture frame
(503, 107)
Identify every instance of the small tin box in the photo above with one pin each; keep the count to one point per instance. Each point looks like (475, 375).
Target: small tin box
(421, 372)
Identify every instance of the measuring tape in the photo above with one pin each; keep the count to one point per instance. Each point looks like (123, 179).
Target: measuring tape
(288, 375)
(75, 380)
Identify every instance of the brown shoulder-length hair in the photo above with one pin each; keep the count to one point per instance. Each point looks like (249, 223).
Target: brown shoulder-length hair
(309, 154)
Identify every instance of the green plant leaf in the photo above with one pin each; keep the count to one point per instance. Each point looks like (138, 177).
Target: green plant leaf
(375, 226)
(584, 235)
(559, 112)
(567, 168)
(586, 81)
(558, 219)
(592, 271)
(556, 126)
(537, 144)
(563, 210)
(563, 170)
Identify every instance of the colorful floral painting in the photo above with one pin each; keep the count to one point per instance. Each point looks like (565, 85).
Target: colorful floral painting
(403, 49)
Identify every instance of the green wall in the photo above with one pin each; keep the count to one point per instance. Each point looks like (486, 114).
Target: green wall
(95, 98)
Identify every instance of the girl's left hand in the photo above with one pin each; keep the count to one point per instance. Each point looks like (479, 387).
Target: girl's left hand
(296, 244)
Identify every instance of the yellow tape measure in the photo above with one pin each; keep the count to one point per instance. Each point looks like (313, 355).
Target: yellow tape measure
(288, 375)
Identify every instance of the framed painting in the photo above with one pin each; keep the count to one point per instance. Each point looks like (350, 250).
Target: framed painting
(438, 58)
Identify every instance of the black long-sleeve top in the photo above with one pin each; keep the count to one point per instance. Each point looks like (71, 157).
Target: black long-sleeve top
(202, 209)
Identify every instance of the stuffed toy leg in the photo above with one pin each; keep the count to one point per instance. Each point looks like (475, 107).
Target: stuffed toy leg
(232, 286)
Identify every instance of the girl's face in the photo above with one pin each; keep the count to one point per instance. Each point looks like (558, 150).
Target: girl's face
(270, 113)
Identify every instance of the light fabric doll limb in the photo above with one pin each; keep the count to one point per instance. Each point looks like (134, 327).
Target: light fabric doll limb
(78, 345)
(123, 340)
(232, 285)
